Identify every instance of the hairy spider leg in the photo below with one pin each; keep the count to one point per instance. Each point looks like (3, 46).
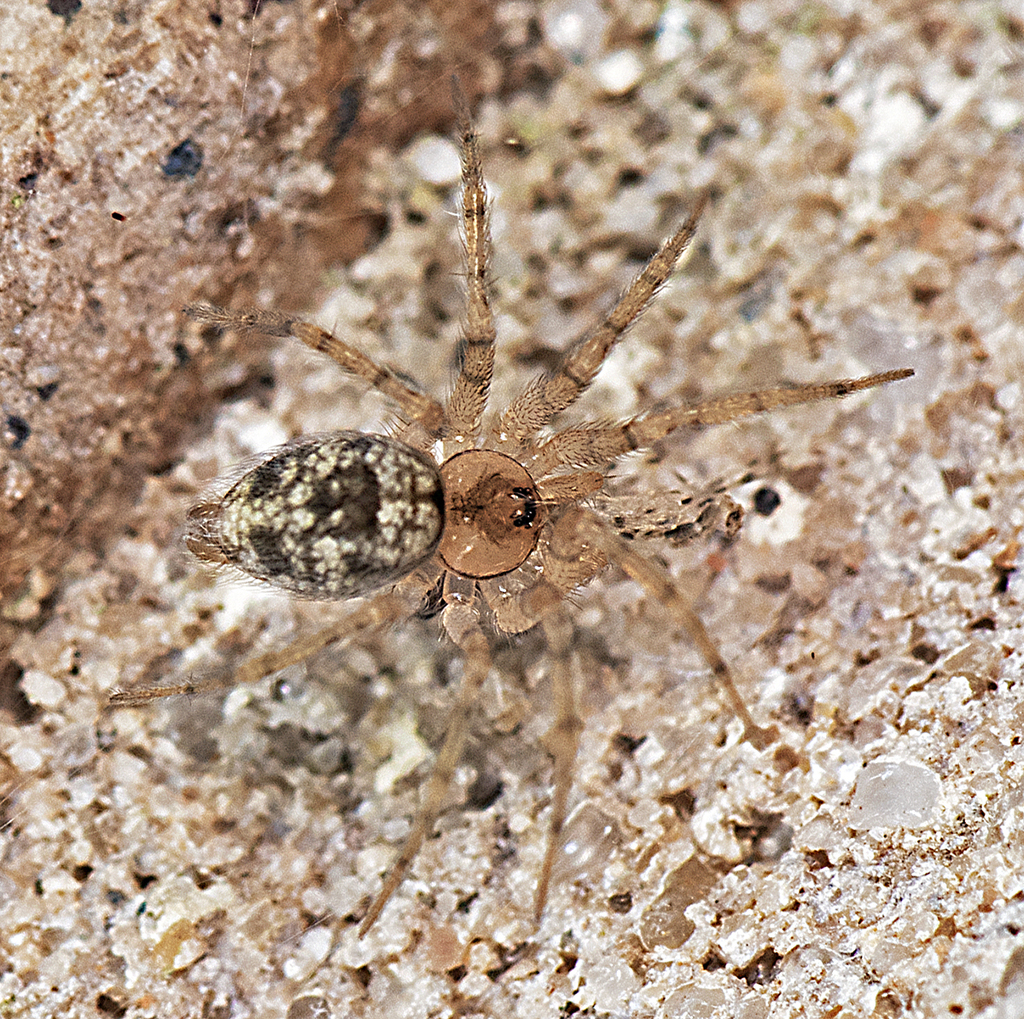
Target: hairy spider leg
(417, 407)
(382, 610)
(468, 399)
(550, 394)
(591, 445)
(462, 624)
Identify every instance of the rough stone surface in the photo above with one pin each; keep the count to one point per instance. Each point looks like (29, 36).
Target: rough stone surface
(211, 857)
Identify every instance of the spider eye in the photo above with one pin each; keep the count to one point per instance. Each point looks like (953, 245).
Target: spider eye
(525, 514)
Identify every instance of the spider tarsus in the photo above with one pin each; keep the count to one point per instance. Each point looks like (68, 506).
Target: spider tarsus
(376, 907)
(269, 323)
(137, 698)
(844, 387)
(463, 117)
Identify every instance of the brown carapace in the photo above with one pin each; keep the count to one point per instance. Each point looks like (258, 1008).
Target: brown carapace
(486, 512)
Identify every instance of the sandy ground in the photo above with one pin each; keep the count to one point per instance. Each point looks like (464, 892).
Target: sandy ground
(211, 856)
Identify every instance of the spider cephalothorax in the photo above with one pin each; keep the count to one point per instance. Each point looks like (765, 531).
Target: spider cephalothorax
(480, 512)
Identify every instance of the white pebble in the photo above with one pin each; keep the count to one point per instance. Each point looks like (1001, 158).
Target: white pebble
(313, 949)
(619, 72)
(574, 27)
(24, 756)
(673, 36)
(893, 794)
(1008, 397)
(42, 689)
(436, 160)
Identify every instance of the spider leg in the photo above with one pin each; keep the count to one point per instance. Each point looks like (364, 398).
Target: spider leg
(387, 607)
(570, 487)
(547, 396)
(468, 399)
(659, 584)
(418, 407)
(562, 739)
(463, 626)
(598, 444)
(679, 523)
(565, 565)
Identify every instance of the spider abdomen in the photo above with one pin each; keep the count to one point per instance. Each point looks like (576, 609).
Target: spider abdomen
(327, 516)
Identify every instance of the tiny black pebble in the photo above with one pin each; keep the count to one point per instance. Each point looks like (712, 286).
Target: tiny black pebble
(47, 390)
(184, 160)
(64, 8)
(19, 429)
(621, 902)
(109, 1005)
(766, 501)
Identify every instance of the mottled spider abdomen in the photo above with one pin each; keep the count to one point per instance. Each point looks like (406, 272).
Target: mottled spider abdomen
(328, 516)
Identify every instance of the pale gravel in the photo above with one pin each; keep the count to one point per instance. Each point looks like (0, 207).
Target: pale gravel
(208, 857)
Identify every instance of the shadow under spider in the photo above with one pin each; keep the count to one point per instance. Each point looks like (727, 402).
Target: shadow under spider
(481, 512)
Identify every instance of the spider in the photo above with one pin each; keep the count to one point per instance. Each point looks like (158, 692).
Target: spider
(488, 518)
